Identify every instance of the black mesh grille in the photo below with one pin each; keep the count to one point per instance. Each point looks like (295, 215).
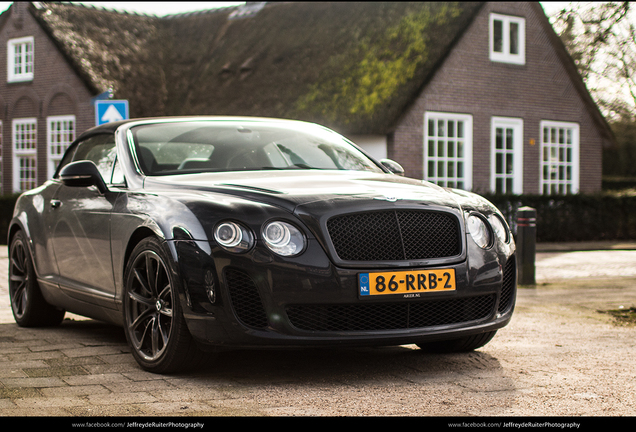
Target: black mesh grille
(508, 286)
(390, 316)
(395, 235)
(245, 298)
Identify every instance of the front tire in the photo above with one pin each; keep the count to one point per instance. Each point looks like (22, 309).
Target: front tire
(465, 344)
(27, 303)
(155, 328)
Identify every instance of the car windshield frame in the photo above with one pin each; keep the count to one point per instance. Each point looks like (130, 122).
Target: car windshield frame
(189, 147)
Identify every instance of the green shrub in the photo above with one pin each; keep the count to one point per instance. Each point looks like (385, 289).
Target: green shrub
(7, 202)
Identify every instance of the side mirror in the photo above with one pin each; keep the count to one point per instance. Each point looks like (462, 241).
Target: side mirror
(83, 174)
(393, 166)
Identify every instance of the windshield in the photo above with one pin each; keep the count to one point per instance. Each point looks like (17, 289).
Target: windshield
(190, 147)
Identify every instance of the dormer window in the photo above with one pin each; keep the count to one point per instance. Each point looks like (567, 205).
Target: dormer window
(20, 59)
(507, 39)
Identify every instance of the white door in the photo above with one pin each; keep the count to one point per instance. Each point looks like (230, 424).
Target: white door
(506, 172)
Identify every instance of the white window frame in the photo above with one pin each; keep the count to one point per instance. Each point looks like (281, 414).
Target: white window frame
(555, 178)
(27, 61)
(505, 56)
(24, 151)
(515, 153)
(58, 137)
(448, 155)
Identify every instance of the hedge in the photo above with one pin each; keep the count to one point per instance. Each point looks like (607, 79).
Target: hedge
(571, 218)
(575, 218)
(7, 202)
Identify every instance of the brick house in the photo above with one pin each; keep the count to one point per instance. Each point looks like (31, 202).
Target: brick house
(480, 96)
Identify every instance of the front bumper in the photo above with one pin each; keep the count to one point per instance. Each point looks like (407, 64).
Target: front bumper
(261, 300)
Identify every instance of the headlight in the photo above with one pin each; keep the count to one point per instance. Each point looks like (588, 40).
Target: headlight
(283, 238)
(478, 231)
(233, 237)
(499, 228)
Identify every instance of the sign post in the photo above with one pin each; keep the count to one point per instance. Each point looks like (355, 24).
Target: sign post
(109, 110)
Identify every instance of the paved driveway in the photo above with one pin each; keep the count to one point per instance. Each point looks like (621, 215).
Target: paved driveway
(558, 357)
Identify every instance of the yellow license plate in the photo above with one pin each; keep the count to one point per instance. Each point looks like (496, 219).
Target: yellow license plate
(409, 283)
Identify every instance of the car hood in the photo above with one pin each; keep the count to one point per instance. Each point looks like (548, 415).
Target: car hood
(311, 189)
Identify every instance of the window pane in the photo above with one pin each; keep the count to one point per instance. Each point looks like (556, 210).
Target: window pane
(441, 128)
(509, 139)
(514, 38)
(431, 127)
(440, 149)
(451, 129)
(499, 185)
(498, 36)
(509, 164)
(499, 138)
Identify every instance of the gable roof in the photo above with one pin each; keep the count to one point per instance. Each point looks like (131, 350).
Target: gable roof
(352, 66)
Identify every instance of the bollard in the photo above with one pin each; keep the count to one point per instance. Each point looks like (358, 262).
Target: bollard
(526, 245)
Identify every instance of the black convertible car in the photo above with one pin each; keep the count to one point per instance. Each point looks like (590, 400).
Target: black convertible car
(199, 234)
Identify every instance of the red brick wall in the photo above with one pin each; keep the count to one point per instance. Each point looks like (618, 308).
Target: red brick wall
(55, 90)
(469, 83)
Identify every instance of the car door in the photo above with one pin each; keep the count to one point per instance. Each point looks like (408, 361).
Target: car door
(80, 228)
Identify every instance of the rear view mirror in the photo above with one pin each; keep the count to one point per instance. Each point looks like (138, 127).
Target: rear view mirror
(83, 174)
(392, 166)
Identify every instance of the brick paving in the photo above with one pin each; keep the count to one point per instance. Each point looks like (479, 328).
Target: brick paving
(84, 367)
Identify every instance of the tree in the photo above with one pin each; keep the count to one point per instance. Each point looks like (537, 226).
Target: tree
(601, 38)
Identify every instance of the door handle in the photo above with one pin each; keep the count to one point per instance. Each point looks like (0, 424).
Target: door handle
(55, 203)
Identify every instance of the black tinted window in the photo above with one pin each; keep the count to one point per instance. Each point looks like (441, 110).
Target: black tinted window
(99, 148)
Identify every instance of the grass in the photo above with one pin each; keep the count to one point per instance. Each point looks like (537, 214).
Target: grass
(623, 316)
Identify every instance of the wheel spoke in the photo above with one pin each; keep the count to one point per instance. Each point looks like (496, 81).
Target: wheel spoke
(148, 314)
(18, 279)
(138, 342)
(139, 275)
(151, 273)
(17, 265)
(19, 299)
(149, 302)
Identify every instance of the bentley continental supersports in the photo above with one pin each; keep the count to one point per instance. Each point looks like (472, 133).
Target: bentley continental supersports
(207, 233)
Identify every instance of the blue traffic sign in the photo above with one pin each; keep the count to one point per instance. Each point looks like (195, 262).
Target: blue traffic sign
(107, 111)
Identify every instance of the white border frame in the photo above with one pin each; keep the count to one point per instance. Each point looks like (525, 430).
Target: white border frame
(18, 153)
(50, 161)
(468, 143)
(576, 151)
(505, 56)
(517, 150)
(11, 75)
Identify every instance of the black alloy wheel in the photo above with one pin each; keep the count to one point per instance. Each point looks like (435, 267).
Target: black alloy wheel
(27, 303)
(154, 323)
